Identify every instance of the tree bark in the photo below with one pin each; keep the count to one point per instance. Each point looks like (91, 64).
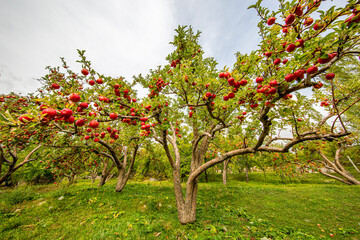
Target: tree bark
(336, 166)
(247, 173)
(121, 181)
(206, 176)
(12, 164)
(224, 172)
(105, 173)
(357, 169)
(124, 175)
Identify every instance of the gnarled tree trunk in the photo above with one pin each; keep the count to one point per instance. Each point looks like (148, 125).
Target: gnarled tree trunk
(336, 166)
(124, 175)
(12, 167)
(105, 172)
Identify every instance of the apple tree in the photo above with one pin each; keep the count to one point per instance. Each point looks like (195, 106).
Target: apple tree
(94, 111)
(20, 135)
(296, 49)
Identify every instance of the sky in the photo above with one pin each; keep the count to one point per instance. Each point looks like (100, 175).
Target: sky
(121, 38)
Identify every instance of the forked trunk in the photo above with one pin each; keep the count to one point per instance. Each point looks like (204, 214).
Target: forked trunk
(186, 207)
(337, 167)
(124, 175)
(105, 173)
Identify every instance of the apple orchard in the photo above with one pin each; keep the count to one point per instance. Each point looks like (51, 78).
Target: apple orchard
(87, 121)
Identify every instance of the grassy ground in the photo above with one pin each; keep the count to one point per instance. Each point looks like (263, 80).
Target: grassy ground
(316, 208)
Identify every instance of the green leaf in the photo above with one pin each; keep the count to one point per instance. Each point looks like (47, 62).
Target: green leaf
(3, 118)
(8, 115)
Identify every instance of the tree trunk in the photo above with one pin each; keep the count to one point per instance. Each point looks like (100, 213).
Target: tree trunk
(247, 173)
(6, 175)
(186, 208)
(336, 166)
(224, 172)
(124, 175)
(105, 173)
(102, 180)
(12, 164)
(121, 181)
(206, 176)
(93, 176)
(264, 171)
(71, 178)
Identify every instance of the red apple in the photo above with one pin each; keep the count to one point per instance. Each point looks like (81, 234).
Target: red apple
(84, 71)
(93, 124)
(66, 112)
(84, 105)
(243, 82)
(317, 26)
(290, 77)
(55, 86)
(272, 90)
(80, 122)
(50, 112)
(330, 76)
(24, 118)
(273, 83)
(299, 43)
(259, 79)
(290, 19)
(113, 116)
(70, 119)
(299, 11)
(325, 59)
(291, 47)
(99, 81)
(312, 69)
(308, 21)
(231, 81)
(74, 97)
(299, 74)
(271, 21)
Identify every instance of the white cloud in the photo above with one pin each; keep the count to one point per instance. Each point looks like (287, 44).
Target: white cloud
(120, 37)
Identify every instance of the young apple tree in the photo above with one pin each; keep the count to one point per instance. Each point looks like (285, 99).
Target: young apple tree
(94, 111)
(20, 136)
(264, 87)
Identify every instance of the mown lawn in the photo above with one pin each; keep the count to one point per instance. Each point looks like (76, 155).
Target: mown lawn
(315, 208)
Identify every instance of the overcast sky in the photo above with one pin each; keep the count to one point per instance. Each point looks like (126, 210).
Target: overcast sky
(121, 38)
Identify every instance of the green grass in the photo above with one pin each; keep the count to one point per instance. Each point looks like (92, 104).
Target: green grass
(311, 209)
